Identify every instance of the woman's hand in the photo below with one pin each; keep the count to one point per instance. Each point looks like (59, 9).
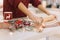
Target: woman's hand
(50, 18)
(37, 23)
(36, 19)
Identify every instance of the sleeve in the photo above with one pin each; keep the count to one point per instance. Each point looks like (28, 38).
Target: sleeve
(9, 5)
(16, 3)
(6, 6)
(35, 3)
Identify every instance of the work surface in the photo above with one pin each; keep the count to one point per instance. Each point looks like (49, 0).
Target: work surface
(52, 33)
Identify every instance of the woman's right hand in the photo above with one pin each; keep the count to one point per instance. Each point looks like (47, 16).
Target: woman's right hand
(37, 20)
(37, 23)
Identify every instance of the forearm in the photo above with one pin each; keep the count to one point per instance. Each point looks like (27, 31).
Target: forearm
(22, 7)
(40, 7)
(50, 17)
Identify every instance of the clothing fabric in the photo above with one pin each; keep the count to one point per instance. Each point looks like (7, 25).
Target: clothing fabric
(12, 6)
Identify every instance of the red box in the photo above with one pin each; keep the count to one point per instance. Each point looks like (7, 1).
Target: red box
(8, 15)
